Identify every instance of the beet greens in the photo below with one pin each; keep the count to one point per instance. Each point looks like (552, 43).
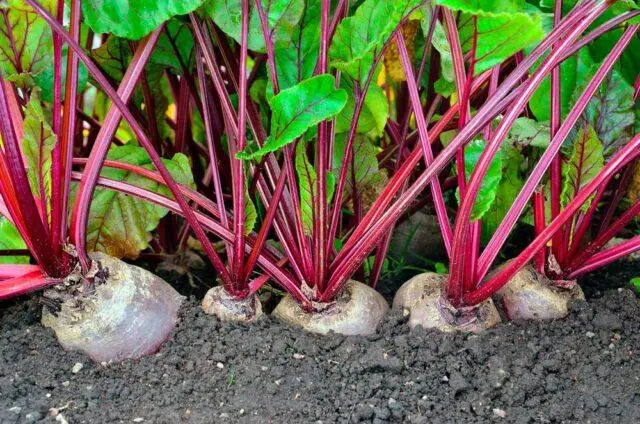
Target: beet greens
(298, 133)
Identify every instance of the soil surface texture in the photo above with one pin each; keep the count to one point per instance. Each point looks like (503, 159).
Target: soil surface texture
(583, 369)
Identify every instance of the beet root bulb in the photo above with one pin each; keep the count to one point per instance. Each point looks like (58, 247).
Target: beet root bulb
(530, 295)
(358, 310)
(226, 308)
(125, 312)
(423, 298)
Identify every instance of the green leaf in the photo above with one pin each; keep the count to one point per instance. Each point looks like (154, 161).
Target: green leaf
(610, 111)
(45, 79)
(510, 185)
(175, 48)
(119, 224)
(489, 186)
(37, 145)
(133, 19)
(360, 37)
(282, 17)
(629, 62)
(528, 132)
(299, 108)
(585, 163)
(296, 62)
(114, 58)
(26, 44)
(10, 239)
(373, 117)
(573, 72)
(307, 184)
(366, 168)
(250, 213)
(635, 284)
(504, 27)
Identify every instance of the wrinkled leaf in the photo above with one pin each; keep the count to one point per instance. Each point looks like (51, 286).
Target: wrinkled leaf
(504, 27)
(360, 37)
(610, 111)
(489, 186)
(307, 185)
(26, 43)
(132, 19)
(299, 108)
(10, 239)
(528, 132)
(37, 145)
(282, 17)
(120, 225)
(585, 163)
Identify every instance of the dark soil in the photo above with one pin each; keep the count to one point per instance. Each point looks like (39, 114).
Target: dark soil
(583, 369)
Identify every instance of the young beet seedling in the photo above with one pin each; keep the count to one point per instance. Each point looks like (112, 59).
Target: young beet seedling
(463, 300)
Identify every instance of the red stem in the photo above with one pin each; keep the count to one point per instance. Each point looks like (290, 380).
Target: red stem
(556, 164)
(237, 172)
(505, 227)
(503, 276)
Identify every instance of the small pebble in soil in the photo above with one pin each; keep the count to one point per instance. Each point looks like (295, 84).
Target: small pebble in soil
(499, 412)
(77, 367)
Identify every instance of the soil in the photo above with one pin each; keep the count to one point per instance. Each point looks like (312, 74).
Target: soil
(583, 369)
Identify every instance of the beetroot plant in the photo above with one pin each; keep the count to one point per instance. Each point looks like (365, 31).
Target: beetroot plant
(94, 302)
(489, 164)
(290, 136)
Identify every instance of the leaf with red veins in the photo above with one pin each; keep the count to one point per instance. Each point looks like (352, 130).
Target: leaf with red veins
(26, 44)
(585, 163)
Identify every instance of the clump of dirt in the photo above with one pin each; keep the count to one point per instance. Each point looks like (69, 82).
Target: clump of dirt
(584, 368)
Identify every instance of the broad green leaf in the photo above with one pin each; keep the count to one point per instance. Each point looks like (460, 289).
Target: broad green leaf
(299, 108)
(504, 27)
(282, 17)
(610, 111)
(307, 184)
(528, 132)
(10, 239)
(360, 37)
(585, 163)
(510, 185)
(573, 72)
(45, 79)
(296, 62)
(489, 186)
(133, 19)
(373, 117)
(119, 224)
(365, 153)
(26, 44)
(114, 58)
(175, 48)
(37, 145)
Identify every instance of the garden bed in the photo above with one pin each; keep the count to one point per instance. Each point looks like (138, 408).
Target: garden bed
(581, 369)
